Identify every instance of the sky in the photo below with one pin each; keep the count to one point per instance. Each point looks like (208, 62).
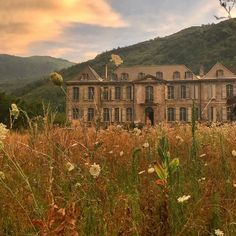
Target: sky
(78, 30)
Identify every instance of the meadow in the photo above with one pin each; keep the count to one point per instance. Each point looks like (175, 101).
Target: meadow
(163, 180)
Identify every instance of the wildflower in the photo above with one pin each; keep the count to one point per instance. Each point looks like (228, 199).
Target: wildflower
(183, 198)
(77, 185)
(111, 152)
(219, 232)
(3, 131)
(95, 170)
(14, 111)
(202, 179)
(151, 170)
(56, 79)
(179, 139)
(206, 164)
(121, 153)
(141, 172)
(137, 131)
(145, 145)
(70, 166)
(234, 153)
(202, 155)
(234, 185)
(2, 175)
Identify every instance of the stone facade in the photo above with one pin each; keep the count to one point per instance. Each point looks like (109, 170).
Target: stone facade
(151, 94)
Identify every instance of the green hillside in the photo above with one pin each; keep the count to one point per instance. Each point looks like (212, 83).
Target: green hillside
(15, 72)
(194, 46)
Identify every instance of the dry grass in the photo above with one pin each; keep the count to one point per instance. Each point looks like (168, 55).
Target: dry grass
(61, 202)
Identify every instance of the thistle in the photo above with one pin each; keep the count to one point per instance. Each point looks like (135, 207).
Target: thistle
(56, 78)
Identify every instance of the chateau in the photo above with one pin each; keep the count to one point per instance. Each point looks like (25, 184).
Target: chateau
(151, 94)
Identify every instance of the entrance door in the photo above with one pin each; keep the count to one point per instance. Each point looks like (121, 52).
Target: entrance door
(149, 115)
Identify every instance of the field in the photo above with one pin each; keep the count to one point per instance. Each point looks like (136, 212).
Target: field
(163, 180)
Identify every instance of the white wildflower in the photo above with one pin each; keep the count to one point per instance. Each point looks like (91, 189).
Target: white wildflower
(121, 153)
(183, 198)
(141, 172)
(151, 170)
(2, 175)
(202, 155)
(111, 152)
(145, 145)
(233, 153)
(95, 170)
(202, 179)
(3, 131)
(78, 185)
(206, 164)
(219, 232)
(14, 111)
(137, 131)
(70, 166)
(179, 139)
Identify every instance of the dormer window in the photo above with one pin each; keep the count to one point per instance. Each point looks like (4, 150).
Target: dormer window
(188, 75)
(124, 76)
(219, 73)
(176, 75)
(159, 75)
(85, 76)
(141, 75)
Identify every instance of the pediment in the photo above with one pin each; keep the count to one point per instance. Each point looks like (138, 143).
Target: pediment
(212, 73)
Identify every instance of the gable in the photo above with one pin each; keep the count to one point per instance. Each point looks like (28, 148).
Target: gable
(217, 70)
(88, 74)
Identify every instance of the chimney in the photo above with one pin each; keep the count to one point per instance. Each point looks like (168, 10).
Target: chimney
(106, 72)
(201, 71)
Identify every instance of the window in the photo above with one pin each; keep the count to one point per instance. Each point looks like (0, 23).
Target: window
(229, 90)
(85, 76)
(159, 75)
(141, 75)
(183, 92)
(90, 114)
(124, 76)
(75, 93)
(188, 75)
(75, 113)
(90, 93)
(117, 114)
(106, 115)
(229, 114)
(170, 114)
(219, 73)
(129, 114)
(171, 94)
(129, 92)
(149, 94)
(117, 93)
(176, 75)
(105, 93)
(183, 114)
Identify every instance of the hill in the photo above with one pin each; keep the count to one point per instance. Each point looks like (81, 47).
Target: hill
(194, 46)
(15, 72)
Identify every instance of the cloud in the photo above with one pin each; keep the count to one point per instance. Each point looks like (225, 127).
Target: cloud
(24, 22)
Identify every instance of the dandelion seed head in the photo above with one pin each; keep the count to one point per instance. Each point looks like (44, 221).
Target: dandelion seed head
(95, 170)
(56, 79)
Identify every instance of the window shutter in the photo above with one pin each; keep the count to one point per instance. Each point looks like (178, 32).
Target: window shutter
(155, 98)
(196, 91)
(214, 114)
(189, 114)
(234, 87)
(123, 114)
(223, 91)
(120, 116)
(85, 117)
(112, 114)
(112, 91)
(224, 114)
(124, 93)
(166, 116)
(131, 89)
(187, 91)
(177, 113)
(175, 95)
(213, 91)
(85, 93)
(166, 92)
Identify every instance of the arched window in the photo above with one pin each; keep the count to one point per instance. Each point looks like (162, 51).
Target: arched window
(219, 73)
(141, 75)
(171, 114)
(149, 94)
(176, 75)
(188, 75)
(183, 114)
(229, 90)
(159, 75)
(124, 76)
